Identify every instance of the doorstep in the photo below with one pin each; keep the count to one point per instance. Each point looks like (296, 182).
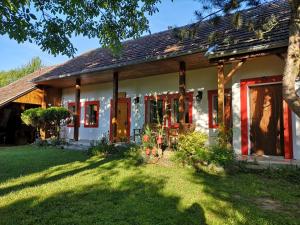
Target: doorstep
(269, 160)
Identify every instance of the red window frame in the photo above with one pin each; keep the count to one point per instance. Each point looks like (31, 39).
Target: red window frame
(210, 95)
(167, 99)
(147, 99)
(79, 113)
(189, 96)
(86, 104)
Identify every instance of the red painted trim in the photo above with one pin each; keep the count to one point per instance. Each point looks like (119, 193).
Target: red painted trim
(86, 104)
(121, 100)
(288, 135)
(210, 95)
(288, 132)
(79, 113)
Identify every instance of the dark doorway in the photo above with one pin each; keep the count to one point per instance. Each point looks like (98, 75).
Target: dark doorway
(266, 120)
(12, 130)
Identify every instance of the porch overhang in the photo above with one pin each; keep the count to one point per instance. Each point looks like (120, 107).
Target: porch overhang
(131, 70)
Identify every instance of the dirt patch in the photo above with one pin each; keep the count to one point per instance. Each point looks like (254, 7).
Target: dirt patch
(268, 204)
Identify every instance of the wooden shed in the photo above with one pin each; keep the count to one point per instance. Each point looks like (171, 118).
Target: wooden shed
(18, 96)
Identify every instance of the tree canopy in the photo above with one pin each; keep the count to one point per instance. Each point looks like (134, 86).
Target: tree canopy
(51, 23)
(7, 77)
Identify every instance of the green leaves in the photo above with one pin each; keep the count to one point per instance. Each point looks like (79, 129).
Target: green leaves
(7, 77)
(50, 24)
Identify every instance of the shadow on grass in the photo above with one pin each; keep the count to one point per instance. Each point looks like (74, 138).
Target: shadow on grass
(137, 199)
(25, 160)
(246, 196)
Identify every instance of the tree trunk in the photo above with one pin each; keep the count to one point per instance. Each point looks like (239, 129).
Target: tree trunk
(292, 66)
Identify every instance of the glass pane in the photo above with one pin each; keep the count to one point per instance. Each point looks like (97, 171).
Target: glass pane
(175, 111)
(71, 108)
(156, 111)
(91, 115)
(215, 110)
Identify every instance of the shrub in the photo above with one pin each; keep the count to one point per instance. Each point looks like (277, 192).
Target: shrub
(102, 147)
(192, 149)
(54, 118)
(33, 117)
(221, 155)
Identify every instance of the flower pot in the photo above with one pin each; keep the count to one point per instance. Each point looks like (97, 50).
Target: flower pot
(147, 151)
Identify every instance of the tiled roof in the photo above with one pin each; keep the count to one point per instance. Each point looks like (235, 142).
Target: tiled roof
(20, 87)
(165, 45)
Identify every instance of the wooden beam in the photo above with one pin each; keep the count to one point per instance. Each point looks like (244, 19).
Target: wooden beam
(115, 106)
(232, 72)
(281, 56)
(77, 110)
(221, 94)
(234, 58)
(182, 93)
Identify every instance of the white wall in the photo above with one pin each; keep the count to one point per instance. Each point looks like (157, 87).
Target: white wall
(201, 79)
(296, 130)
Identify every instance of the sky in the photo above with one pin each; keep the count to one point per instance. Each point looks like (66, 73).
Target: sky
(12, 54)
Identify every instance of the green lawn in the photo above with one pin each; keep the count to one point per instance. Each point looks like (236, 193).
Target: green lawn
(50, 186)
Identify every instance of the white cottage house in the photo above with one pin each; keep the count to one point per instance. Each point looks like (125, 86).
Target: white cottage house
(236, 82)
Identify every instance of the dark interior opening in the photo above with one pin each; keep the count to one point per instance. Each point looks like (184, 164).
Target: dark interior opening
(12, 130)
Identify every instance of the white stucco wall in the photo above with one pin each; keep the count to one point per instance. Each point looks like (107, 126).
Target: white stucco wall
(201, 79)
(296, 130)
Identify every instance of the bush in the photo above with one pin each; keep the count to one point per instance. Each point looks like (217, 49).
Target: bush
(221, 155)
(53, 118)
(102, 147)
(192, 149)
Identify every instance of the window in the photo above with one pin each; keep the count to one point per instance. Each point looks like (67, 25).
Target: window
(72, 108)
(91, 114)
(167, 106)
(155, 109)
(213, 107)
(188, 114)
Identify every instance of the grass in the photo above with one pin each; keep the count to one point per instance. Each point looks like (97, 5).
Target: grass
(51, 186)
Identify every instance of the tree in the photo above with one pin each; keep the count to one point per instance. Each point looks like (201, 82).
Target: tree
(51, 23)
(215, 8)
(7, 77)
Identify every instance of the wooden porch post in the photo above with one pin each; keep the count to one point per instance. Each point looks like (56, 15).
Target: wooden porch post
(221, 93)
(77, 108)
(182, 93)
(115, 106)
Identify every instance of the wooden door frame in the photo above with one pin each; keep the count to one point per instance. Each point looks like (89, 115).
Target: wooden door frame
(121, 100)
(245, 85)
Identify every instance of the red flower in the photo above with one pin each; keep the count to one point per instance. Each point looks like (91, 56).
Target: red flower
(145, 138)
(159, 140)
